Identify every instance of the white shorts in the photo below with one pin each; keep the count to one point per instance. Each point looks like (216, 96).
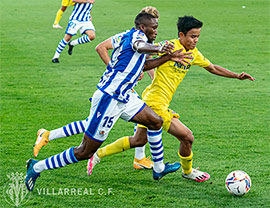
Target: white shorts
(105, 111)
(74, 26)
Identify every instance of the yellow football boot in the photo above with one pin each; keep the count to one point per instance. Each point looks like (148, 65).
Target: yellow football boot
(144, 163)
(42, 140)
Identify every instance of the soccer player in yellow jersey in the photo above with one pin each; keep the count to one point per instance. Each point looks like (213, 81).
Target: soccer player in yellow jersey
(159, 94)
(65, 4)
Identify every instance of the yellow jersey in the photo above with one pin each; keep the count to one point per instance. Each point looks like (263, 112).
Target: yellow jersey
(169, 75)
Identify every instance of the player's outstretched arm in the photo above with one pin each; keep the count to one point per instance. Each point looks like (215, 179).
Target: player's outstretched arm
(244, 75)
(143, 47)
(218, 70)
(177, 56)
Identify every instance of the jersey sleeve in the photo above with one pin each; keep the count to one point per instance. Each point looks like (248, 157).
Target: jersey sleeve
(200, 60)
(138, 35)
(116, 39)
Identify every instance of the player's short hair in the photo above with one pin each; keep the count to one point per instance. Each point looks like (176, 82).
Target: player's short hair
(143, 18)
(187, 23)
(150, 10)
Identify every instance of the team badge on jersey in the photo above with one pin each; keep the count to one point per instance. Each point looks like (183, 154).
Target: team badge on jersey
(140, 35)
(102, 133)
(164, 42)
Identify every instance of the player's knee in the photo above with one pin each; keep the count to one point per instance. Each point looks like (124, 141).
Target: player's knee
(159, 123)
(156, 124)
(67, 38)
(92, 36)
(188, 138)
(63, 8)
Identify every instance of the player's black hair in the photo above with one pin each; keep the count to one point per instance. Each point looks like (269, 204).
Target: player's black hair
(187, 23)
(143, 18)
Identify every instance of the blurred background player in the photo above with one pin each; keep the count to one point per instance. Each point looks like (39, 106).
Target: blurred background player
(78, 127)
(65, 4)
(80, 19)
(159, 94)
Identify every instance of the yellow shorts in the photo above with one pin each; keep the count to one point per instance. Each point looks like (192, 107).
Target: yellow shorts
(67, 3)
(164, 112)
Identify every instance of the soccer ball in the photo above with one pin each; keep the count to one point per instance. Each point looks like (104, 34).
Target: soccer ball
(238, 183)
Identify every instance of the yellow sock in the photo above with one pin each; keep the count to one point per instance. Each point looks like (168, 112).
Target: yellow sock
(186, 163)
(119, 145)
(58, 17)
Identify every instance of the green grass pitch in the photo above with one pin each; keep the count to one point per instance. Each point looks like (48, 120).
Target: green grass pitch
(229, 118)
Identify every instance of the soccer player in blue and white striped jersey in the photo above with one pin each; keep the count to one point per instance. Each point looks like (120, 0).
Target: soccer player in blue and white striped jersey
(114, 99)
(81, 20)
(78, 127)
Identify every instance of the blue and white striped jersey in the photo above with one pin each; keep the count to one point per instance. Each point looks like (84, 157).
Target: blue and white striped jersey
(81, 12)
(124, 68)
(116, 39)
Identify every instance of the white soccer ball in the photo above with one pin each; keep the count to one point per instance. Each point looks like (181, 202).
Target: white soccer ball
(238, 183)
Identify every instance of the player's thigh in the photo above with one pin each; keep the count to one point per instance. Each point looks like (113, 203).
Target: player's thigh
(165, 113)
(148, 118)
(89, 29)
(138, 112)
(180, 130)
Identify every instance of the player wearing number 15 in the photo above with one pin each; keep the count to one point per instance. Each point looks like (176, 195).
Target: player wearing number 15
(114, 99)
(80, 19)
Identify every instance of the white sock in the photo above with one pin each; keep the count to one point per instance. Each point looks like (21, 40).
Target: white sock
(40, 166)
(56, 134)
(76, 127)
(140, 152)
(81, 40)
(62, 44)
